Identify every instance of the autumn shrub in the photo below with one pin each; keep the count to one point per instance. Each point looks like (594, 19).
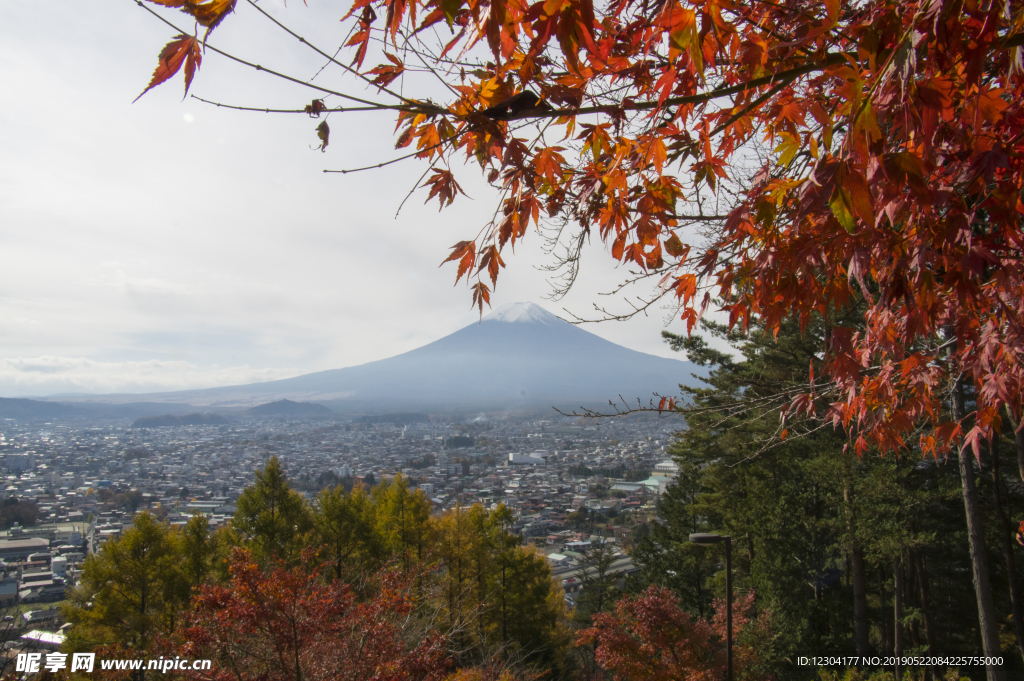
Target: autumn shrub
(292, 623)
(650, 638)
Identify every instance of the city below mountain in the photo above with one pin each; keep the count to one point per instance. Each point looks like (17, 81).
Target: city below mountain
(519, 356)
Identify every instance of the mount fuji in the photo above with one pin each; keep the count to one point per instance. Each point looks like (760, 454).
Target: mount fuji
(516, 357)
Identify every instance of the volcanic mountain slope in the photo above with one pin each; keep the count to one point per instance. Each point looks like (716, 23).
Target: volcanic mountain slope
(519, 355)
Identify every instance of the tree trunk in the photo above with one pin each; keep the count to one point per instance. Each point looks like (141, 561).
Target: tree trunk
(887, 640)
(860, 588)
(926, 608)
(861, 625)
(1018, 439)
(909, 589)
(976, 543)
(504, 614)
(1005, 533)
(897, 612)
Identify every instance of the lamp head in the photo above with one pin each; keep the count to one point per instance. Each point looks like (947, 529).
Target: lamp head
(705, 539)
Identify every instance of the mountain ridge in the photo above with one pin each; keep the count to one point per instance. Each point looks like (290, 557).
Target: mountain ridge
(518, 355)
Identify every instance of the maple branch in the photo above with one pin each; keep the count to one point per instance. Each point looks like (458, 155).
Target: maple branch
(644, 306)
(569, 263)
(340, 109)
(698, 218)
(611, 316)
(419, 107)
(782, 77)
(326, 64)
(593, 414)
(394, 160)
(400, 158)
(329, 57)
(406, 39)
(487, 231)
(416, 185)
(731, 409)
(749, 107)
(774, 442)
(1016, 40)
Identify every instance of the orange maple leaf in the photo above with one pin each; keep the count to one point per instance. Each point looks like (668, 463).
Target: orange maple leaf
(481, 295)
(183, 49)
(208, 14)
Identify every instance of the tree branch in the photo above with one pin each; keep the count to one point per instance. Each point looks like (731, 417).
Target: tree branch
(781, 77)
(329, 57)
(420, 107)
(340, 109)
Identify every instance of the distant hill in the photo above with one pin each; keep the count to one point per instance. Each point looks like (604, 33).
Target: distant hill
(176, 420)
(32, 410)
(133, 410)
(290, 409)
(39, 410)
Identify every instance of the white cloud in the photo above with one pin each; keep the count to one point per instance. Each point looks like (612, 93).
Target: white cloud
(46, 375)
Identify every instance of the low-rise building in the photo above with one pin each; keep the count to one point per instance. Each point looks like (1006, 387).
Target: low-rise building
(8, 591)
(20, 549)
(47, 640)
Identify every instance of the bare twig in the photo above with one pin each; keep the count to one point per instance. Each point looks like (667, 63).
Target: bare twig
(340, 109)
(329, 57)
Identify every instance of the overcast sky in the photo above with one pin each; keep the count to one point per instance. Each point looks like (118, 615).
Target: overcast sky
(168, 244)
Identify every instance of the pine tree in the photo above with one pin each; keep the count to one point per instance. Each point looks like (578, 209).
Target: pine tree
(838, 548)
(344, 525)
(271, 517)
(198, 547)
(402, 520)
(598, 590)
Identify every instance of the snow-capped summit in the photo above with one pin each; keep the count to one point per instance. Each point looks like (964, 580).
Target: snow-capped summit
(522, 312)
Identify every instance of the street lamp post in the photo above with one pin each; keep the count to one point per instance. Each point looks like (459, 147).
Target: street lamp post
(704, 539)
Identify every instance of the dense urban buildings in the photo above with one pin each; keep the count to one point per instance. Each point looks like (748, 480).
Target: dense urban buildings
(569, 482)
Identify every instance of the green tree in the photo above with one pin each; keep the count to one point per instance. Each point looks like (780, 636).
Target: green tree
(528, 611)
(665, 555)
(598, 590)
(132, 500)
(838, 548)
(131, 591)
(18, 511)
(496, 596)
(461, 539)
(344, 524)
(597, 594)
(198, 549)
(403, 520)
(271, 517)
